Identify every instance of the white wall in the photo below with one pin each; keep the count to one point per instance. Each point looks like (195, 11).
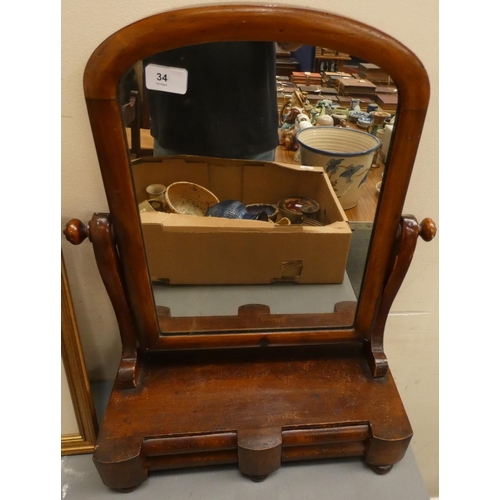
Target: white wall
(412, 330)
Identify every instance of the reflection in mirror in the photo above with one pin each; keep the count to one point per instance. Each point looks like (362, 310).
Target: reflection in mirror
(291, 236)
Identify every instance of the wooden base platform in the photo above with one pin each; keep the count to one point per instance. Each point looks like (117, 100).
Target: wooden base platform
(253, 407)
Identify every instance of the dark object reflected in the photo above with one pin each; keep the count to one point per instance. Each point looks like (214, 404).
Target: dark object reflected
(230, 107)
(233, 209)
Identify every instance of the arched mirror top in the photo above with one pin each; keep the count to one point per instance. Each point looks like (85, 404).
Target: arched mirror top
(183, 27)
(174, 29)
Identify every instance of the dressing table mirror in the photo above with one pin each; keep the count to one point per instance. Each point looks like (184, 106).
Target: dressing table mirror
(254, 387)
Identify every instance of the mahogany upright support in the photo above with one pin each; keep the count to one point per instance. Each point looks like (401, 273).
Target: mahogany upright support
(404, 248)
(100, 234)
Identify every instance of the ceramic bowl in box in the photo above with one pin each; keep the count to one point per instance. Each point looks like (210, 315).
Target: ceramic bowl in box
(234, 209)
(189, 198)
(345, 154)
(297, 208)
(271, 210)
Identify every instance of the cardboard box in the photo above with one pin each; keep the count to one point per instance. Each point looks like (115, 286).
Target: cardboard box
(188, 249)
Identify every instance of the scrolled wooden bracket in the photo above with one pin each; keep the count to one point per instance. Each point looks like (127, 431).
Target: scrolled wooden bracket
(99, 232)
(404, 249)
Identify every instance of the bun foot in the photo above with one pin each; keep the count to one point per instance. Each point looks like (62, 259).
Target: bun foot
(380, 469)
(126, 490)
(259, 452)
(258, 479)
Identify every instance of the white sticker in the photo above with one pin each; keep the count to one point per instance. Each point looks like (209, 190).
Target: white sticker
(166, 79)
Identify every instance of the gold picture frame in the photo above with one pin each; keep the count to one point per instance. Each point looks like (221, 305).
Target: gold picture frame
(76, 398)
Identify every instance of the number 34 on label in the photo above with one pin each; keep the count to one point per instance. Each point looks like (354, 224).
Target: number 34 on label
(166, 79)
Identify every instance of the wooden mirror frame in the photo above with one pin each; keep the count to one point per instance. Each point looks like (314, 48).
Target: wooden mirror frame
(190, 26)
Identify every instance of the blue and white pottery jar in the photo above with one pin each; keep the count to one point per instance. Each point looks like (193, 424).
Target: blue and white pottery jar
(345, 154)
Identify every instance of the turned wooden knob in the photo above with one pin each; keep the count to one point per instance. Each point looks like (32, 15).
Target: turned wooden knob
(427, 229)
(76, 231)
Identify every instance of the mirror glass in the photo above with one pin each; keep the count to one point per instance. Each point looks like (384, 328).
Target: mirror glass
(228, 234)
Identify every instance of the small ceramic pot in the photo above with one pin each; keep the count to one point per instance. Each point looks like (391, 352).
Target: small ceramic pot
(355, 104)
(157, 192)
(339, 119)
(302, 117)
(379, 117)
(324, 121)
(363, 122)
(304, 124)
(296, 208)
(343, 111)
(270, 209)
